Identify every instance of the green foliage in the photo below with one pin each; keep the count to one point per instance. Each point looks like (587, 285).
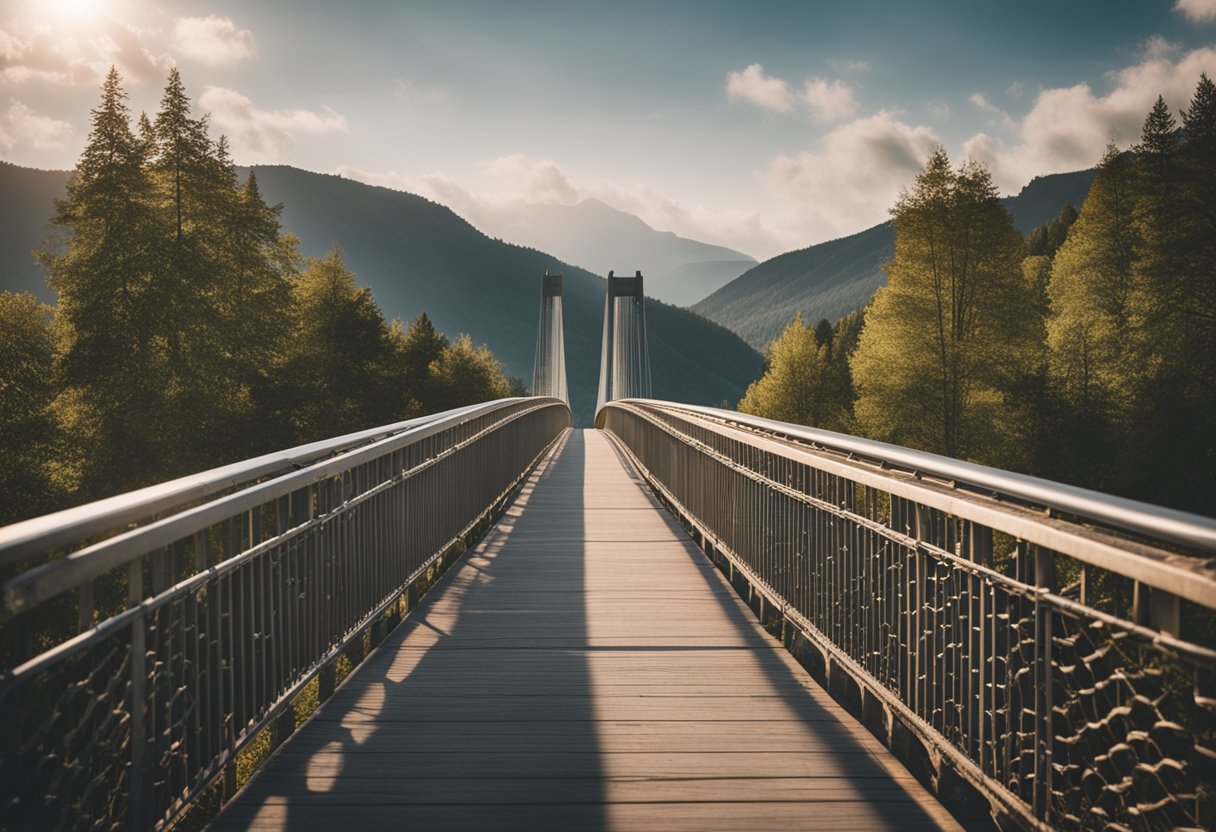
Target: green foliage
(28, 433)
(341, 355)
(1046, 240)
(947, 341)
(802, 383)
(185, 335)
(464, 374)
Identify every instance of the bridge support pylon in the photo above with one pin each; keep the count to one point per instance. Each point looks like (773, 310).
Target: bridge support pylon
(625, 355)
(549, 369)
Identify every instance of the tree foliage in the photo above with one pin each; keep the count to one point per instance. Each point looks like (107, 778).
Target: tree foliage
(948, 338)
(185, 333)
(802, 383)
(28, 434)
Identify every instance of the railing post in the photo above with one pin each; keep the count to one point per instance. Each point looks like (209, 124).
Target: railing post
(1044, 580)
(137, 804)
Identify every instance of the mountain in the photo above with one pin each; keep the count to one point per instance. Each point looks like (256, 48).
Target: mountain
(598, 237)
(831, 279)
(417, 257)
(27, 200)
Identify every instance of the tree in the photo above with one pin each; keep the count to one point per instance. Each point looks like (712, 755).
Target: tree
(28, 433)
(465, 374)
(416, 350)
(107, 321)
(1046, 240)
(801, 384)
(1088, 330)
(947, 339)
(340, 354)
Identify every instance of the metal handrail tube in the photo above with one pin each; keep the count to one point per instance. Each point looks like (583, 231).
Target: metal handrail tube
(48, 580)
(1181, 528)
(233, 606)
(39, 534)
(1059, 668)
(1183, 575)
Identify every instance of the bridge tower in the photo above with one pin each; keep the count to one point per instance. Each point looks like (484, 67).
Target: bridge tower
(549, 369)
(625, 355)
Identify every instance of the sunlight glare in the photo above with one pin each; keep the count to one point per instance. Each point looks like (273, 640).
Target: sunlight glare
(75, 10)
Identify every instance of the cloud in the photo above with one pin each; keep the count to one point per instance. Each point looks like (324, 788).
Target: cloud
(824, 99)
(1068, 128)
(753, 86)
(212, 40)
(829, 100)
(980, 100)
(854, 176)
(1016, 90)
(1197, 11)
(259, 136)
(533, 180)
(25, 132)
(39, 53)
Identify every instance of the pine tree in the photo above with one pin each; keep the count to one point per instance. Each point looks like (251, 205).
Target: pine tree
(802, 384)
(28, 432)
(418, 348)
(465, 375)
(340, 354)
(946, 340)
(108, 352)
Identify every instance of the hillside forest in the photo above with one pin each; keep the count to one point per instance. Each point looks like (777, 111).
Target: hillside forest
(1084, 353)
(188, 331)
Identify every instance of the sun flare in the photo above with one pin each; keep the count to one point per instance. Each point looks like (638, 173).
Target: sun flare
(75, 10)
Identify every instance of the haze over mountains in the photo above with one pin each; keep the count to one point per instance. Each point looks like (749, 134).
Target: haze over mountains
(831, 279)
(418, 256)
(598, 237)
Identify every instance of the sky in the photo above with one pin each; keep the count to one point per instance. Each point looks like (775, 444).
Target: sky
(763, 126)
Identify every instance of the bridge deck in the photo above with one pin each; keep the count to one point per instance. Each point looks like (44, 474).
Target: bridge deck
(584, 668)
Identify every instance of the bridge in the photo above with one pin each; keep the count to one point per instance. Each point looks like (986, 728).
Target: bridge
(686, 618)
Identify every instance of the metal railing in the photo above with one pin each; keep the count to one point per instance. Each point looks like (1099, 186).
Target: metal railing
(205, 605)
(1049, 648)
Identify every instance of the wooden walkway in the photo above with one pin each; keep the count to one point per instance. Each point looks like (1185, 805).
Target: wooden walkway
(584, 668)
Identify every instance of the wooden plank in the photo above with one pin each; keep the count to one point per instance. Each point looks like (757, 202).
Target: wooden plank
(584, 667)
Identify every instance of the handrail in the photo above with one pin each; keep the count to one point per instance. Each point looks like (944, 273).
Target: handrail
(20, 540)
(1047, 648)
(215, 617)
(1192, 531)
(43, 582)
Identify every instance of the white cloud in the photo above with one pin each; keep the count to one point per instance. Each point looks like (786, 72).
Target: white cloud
(1197, 11)
(27, 134)
(753, 86)
(980, 100)
(39, 53)
(853, 67)
(825, 99)
(533, 180)
(1016, 90)
(829, 100)
(856, 174)
(212, 40)
(261, 135)
(1068, 128)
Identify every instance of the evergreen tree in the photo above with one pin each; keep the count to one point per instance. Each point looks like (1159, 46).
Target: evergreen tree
(417, 349)
(340, 354)
(108, 354)
(1088, 331)
(947, 340)
(464, 374)
(801, 384)
(28, 433)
